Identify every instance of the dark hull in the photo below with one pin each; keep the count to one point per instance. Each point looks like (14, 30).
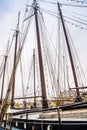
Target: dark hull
(52, 124)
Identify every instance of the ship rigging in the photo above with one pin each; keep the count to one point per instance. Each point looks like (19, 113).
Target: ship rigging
(48, 76)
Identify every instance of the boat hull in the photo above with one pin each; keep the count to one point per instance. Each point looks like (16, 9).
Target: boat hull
(49, 124)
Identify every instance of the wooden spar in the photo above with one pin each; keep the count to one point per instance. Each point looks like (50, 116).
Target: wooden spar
(84, 87)
(59, 51)
(70, 54)
(5, 101)
(3, 77)
(14, 65)
(18, 98)
(68, 80)
(43, 87)
(34, 78)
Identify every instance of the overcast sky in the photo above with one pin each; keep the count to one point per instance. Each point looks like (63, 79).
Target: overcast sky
(8, 20)
(8, 16)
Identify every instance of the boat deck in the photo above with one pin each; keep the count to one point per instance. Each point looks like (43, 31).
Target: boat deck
(69, 120)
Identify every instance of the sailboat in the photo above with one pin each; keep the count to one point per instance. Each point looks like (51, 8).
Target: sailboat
(49, 79)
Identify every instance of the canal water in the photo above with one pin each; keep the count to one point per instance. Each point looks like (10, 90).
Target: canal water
(15, 128)
(12, 128)
(7, 126)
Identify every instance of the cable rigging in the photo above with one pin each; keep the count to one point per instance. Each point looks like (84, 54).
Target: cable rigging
(46, 50)
(77, 62)
(72, 5)
(75, 13)
(75, 20)
(78, 1)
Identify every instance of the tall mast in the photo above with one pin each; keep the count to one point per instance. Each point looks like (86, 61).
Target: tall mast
(43, 87)
(5, 101)
(14, 65)
(59, 52)
(70, 54)
(68, 80)
(34, 78)
(5, 61)
(3, 77)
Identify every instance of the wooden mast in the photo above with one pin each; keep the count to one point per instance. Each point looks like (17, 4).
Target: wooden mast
(4, 71)
(34, 79)
(5, 61)
(43, 87)
(70, 55)
(5, 101)
(14, 65)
